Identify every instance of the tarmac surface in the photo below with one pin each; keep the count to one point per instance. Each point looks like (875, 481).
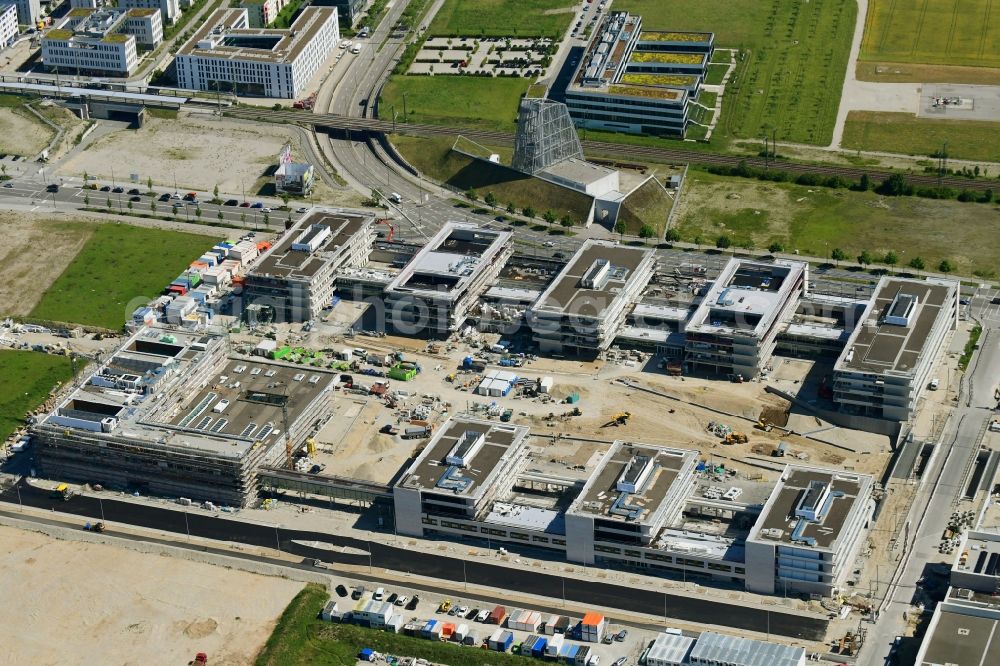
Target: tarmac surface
(399, 559)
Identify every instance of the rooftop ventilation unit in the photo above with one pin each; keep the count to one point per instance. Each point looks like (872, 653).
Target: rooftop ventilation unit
(636, 474)
(597, 275)
(901, 309)
(811, 506)
(466, 448)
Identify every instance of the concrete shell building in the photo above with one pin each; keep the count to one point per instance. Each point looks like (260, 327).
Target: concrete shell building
(435, 291)
(170, 414)
(735, 328)
(296, 278)
(583, 309)
(887, 362)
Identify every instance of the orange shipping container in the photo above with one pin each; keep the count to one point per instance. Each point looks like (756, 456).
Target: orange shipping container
(592, 619)
(263, 245)
(447, 629)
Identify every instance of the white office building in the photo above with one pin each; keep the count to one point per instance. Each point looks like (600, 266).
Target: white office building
(146, 25)
(28, 11)
(262, 12)
(169, 10)
(92, 41)
(8, 25)
(227, 54)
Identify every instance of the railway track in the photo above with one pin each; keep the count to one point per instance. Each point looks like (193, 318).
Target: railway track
(603, 148)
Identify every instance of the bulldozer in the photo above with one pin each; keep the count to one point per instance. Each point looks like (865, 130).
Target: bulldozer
(736, 438)
(621, 418)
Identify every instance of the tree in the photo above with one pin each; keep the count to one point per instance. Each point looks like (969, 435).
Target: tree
(890, 259)
(267, 218)
(197, 212)
(86, 176)
(490, 200)
(130, 205)
(549, 217)
(471, 195)
(723, 242)
(566, 221)
(375, 198)
(108, 202)
(672, 236)
(865, 258)
(510, 208)
(528, 212)
(243, 218)
(775, 247)
(86, 199)
(647, 231)
(838, 255)
(895, 186)
(698, 241)
(946, 266)
(220, 215)
(620, 228)
(149, 184)
(215, 191)
(152, 206)
(747, 245)
(865, 183)
(917, 263)
(285, 198)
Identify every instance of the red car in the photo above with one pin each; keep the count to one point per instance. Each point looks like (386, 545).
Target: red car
(200, 659)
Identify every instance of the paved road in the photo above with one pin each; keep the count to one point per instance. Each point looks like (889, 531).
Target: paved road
(385, 556)
(944, 483)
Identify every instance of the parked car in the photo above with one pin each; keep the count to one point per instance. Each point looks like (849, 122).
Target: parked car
(245, 204)
(358, 593)
(301, 209)
(341, 591)
(231, 202)
(413, 603)
(401, 600)
(392, 598)
(134, 190)
(165, 196)
(8, 184)
(118, 190)
(256, 204)
(621, 635)
(106, 188)
(135, 197)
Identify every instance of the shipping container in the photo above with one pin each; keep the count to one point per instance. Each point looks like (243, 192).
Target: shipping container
(461, 631)
(554, 645)
(497, 615)
(538, 648)
(582, 655)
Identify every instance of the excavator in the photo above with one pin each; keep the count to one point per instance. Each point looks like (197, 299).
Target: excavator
(621, 418)
(736, 438)
(763, 424)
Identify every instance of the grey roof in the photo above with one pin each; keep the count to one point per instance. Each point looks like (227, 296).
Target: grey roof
(713, 647)
(670, 649)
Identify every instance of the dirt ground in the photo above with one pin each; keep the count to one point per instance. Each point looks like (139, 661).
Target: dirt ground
(81, 603)
(22, 134)
(197, 150)
(26, 277)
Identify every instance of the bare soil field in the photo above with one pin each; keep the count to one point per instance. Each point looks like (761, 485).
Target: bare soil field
(84, 603)
(199, 151)
(26, 278)
(22, 134)
(894, 72)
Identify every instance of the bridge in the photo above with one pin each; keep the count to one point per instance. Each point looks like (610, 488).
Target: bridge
(334, 487)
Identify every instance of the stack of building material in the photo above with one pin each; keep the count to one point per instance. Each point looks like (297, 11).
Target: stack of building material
(592, 627)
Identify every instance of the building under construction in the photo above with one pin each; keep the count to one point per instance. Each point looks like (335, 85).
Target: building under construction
(171, 414)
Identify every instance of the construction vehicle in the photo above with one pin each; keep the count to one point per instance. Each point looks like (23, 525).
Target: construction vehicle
(763, 424)
(736, 438)
(392, 229)
(621, 418)
(62, 492)
(506, 416)
(94, 527)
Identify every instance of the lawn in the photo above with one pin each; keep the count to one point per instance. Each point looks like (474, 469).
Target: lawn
(503, 18)
(301, 639)
(27, 378)
(794, 70)
(943, 32)
(816, 220)
(469, 101)
(120, 268)
(905, 133)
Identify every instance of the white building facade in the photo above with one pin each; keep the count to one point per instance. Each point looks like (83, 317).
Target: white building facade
(8, 25)
(169, 10)
(262, 12)
(228, 54)
(145, 25)
(91, 41)
(28, 11)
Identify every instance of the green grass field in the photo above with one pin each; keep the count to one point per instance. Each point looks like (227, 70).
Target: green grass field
(27, 378)
(120, 268)
(943, 32)
(502, 18)
(465, 101)
(816, 220)
(792, 77)
(905, 133)
(301, 639)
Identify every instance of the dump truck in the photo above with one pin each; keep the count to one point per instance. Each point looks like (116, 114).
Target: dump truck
(61, 491)
(94, 527)
(416, 432)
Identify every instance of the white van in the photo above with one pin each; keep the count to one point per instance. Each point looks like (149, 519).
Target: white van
(379, 594)
(356, 49)
(934, 384)
(395, 198)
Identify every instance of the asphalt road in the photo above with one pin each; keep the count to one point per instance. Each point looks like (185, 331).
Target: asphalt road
(385, 556)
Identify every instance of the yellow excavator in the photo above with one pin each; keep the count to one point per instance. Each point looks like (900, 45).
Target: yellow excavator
(621, 418)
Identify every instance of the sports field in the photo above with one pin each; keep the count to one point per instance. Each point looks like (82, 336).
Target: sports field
(120, 268)
(814, 221)
(461, 101)
(794, 67)
(502, 18)
(941, 32)
(27, 377)
(907, 134)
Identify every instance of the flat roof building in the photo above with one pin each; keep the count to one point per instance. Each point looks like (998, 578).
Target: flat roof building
(226, 53)
(809, 532)
(634, 491)
(28, 11)
(887, 361)
(964, 631)
(435, 291)
(977, 566)
(734, 330)
(712, 648)
(8, 25)
(636, 81)
(583, 309)
(170, 10)
(100, 41)
(295, 278)
(467, 465)
(169, 414)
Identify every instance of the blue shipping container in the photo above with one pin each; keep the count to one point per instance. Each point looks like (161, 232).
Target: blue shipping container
(538, 649)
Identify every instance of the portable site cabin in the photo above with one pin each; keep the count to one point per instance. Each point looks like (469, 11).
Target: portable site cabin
(497, 615)
(592, 627)
(554, 645)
